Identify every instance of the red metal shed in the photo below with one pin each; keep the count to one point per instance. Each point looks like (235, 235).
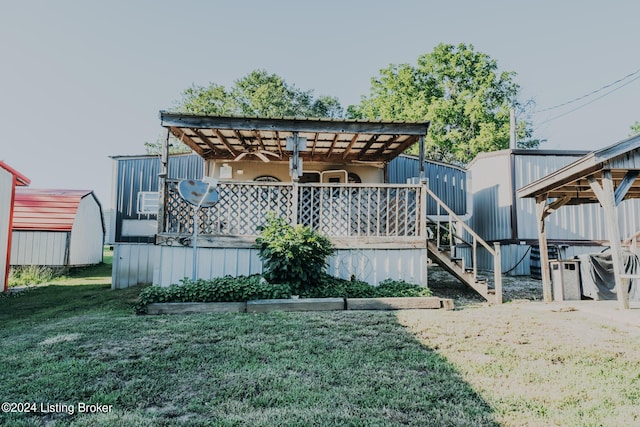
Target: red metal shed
(56, 227)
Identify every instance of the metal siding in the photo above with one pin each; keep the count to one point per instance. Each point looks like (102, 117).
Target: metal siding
(583, 222)
(370, 265)
(133, 264)
(449, 183)
(492, 197)
(87, 235)
(39, 248)
(175, 263)
(141, 174)
(630, 160)
(6, 192)
(376, 265)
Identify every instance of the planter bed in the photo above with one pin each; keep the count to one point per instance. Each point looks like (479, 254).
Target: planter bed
(302, 304)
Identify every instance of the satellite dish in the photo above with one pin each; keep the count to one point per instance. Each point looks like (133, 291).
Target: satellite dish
(199, 193)
(261, 154)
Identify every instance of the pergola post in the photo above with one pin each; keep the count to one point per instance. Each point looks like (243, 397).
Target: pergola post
(541, 214)
(606, 197)
(162, 185)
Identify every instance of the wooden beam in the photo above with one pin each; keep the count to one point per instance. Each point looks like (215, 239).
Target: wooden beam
(350, 146)
(241, 139)
(368, 145)
(556, 204)
(625, 185)
(279, 144)
(205, 139)
(541, 207)
(313, 148)
(224, 142)
(185, 139)
(333, 145)
(259, 138)
(386, 145)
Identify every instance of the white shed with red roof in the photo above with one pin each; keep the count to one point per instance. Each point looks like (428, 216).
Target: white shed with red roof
(9, 180)
(52, 227)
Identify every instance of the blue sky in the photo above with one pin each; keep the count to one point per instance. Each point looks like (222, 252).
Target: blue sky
(83, 80)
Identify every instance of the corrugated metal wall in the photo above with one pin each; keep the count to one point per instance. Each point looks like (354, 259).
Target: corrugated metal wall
(135, 174)
(583, 222)
(133, 264)
(448, 182)
(492, 196)
(6, 191)
(39, 248)
(370, 265)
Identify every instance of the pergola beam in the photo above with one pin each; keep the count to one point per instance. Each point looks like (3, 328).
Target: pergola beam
(625, 185)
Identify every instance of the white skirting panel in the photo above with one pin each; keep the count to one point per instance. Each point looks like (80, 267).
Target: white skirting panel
(370, 265)
(175, 263)
(375, 265)
(133, 264)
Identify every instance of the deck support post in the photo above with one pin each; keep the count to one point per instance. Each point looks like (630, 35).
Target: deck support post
(541, 214)
(606, 197)
(162, 184)
(497, 272)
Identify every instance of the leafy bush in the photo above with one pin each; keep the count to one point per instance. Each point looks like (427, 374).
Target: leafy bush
(220, 289)
(327, 286)
(400, 288)
(33, 275)
(292, 254)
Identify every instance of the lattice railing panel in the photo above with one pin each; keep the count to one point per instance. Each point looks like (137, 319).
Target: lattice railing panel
(337, 210)
(240, 210)
(360, 211)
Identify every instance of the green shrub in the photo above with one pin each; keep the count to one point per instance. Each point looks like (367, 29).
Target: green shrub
(400, 288)
(220, 289)
(327, 286)
(292, 254)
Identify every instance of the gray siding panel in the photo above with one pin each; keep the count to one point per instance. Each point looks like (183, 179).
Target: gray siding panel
(448, 182)
(133, 264)
(141, 174)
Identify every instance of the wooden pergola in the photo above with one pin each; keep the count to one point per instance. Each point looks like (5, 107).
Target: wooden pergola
(608, 177)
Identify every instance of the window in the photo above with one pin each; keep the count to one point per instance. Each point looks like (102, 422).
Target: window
(148, 203)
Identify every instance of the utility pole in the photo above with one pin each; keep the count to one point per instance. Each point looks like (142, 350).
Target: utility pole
(512, 129)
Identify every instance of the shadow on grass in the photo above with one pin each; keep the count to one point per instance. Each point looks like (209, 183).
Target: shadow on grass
(323, 368)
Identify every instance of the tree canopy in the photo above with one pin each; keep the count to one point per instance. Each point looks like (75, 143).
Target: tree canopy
(258, 94)
(460, 91)
(635, 128)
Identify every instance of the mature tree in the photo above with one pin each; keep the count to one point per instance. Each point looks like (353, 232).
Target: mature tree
(635, 128)
(258, 94)
(460, 91)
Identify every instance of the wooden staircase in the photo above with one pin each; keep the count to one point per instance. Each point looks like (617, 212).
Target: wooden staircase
(448, 235)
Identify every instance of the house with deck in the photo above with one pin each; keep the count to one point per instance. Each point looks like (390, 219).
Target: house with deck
(345, 178)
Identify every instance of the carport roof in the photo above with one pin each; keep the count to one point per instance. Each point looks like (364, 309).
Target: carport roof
(571, 182)
(220, 137)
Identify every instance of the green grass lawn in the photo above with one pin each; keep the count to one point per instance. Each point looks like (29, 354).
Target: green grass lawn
(79, 341)
(71, 344)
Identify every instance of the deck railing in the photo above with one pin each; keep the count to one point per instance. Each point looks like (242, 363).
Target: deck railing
(337, 210)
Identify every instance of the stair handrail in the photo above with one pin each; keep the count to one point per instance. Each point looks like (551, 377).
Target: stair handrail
(495, 251)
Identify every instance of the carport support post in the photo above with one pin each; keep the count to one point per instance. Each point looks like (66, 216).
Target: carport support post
(541, 214)
(606, 197)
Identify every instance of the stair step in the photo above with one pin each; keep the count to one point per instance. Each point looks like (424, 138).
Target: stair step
(443, 248)
(453, 259)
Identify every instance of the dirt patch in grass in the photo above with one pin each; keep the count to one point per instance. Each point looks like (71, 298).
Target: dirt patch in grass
(539, 367)
(514, 288)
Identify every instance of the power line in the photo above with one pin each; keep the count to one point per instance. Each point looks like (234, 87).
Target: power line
(593, 92)
(590, 102)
